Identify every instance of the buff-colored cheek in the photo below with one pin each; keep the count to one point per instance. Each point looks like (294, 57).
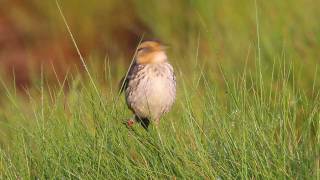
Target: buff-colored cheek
(144, 59)
(154, 57)
(159, 57)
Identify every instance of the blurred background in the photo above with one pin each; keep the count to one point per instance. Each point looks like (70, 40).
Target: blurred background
(210, 34)
(248, 86)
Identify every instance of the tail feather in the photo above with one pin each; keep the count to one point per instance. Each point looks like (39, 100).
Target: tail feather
(145, 122)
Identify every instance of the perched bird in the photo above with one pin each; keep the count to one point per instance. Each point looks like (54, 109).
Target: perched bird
(150, 84)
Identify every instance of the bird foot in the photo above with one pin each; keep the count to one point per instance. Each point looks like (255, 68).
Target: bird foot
(130, 122)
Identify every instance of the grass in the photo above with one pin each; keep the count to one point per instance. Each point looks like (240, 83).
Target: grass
(246, 108)
(247, 132)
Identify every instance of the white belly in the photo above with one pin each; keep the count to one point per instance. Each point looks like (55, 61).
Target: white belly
(153, 96)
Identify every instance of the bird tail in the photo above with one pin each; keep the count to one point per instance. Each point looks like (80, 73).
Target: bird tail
(145, 122)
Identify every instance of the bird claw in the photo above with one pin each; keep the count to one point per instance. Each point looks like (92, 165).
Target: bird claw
(130, 122)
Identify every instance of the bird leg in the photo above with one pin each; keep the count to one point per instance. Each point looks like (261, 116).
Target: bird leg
(130, 122)
(156, 123)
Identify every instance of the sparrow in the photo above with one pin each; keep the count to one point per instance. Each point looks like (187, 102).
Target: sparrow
(150, 84)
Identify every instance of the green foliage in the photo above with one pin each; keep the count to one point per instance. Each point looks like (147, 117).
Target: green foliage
(247, 132)
(247, 105)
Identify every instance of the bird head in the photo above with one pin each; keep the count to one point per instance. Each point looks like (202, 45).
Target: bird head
(151, 52)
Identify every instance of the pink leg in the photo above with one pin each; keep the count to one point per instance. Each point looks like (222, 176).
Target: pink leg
(130, 122)
(156, 123)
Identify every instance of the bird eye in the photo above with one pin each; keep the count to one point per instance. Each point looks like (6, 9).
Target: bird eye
(144, 49)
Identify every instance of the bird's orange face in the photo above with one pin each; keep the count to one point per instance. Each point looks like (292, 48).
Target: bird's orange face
(150, 52)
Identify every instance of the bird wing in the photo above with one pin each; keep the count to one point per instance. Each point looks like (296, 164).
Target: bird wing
(123, 84)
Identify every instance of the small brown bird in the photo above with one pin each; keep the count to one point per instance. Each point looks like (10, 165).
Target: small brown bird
(150, 85)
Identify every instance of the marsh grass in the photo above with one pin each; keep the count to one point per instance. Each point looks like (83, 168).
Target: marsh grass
(246, 132)
(250, 114)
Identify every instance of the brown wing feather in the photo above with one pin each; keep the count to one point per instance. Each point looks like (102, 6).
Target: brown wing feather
(123, 84)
